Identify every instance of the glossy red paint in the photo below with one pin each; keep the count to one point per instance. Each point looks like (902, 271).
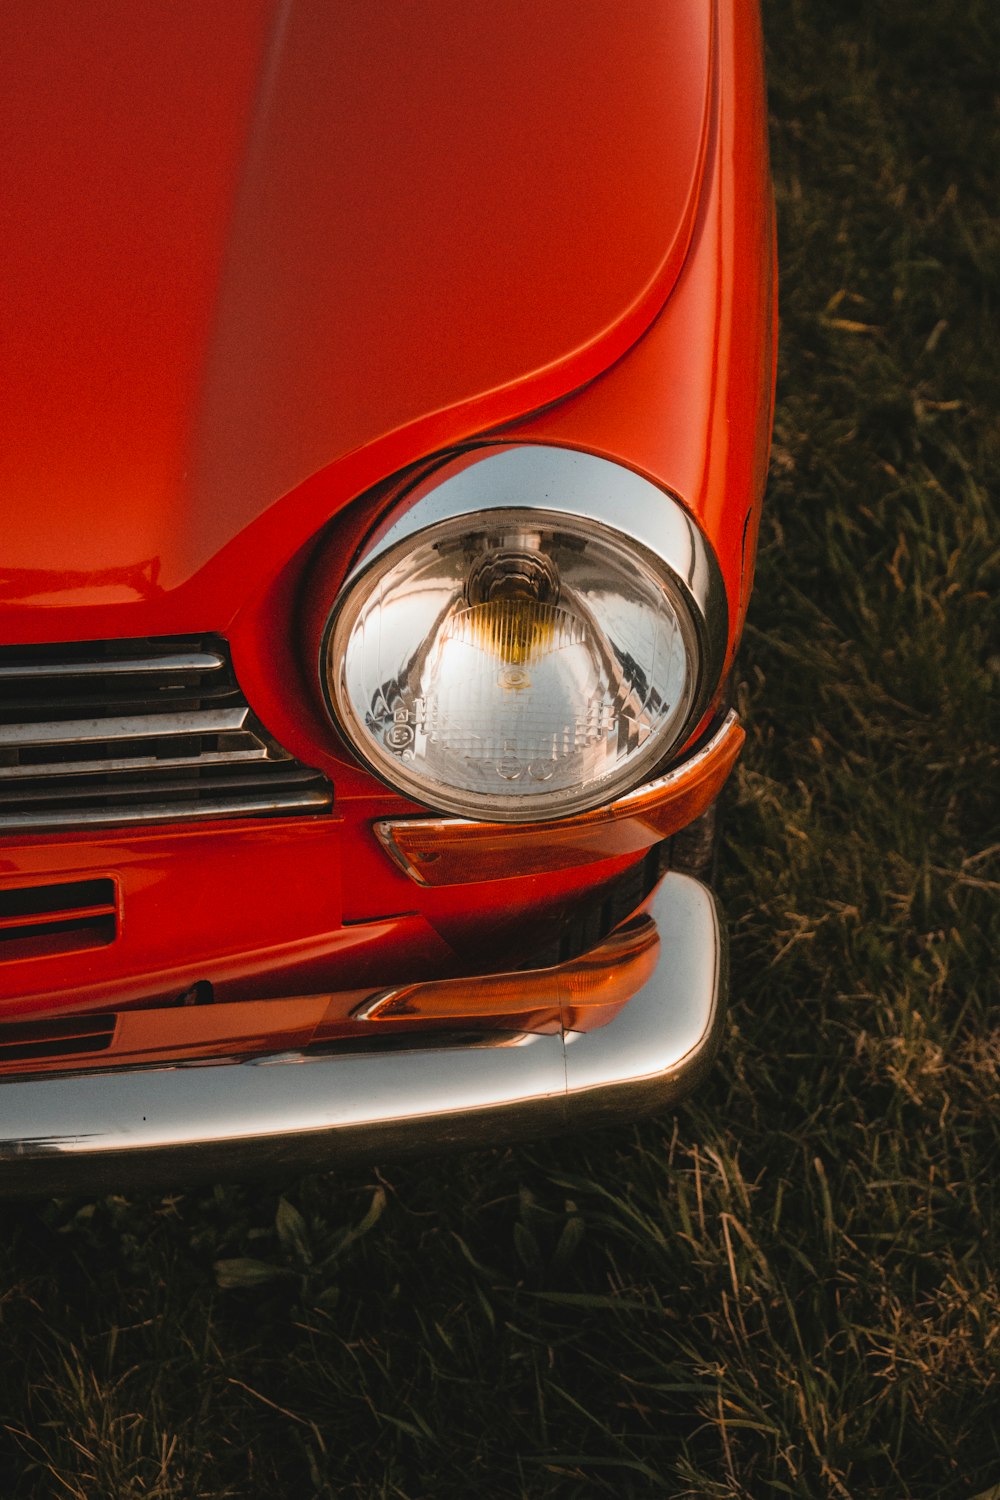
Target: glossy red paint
(582, 995)
(123, 131)
(201, 398)
(256, 908)
(321, 240)
(263, 908)
(691, 405)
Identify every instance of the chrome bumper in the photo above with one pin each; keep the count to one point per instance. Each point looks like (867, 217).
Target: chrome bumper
(163, 1125)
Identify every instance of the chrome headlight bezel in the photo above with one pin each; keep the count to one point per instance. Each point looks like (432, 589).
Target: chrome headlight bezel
(559, 485)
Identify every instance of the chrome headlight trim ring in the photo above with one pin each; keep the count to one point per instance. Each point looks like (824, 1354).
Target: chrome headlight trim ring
(540, 476)
(584, 490)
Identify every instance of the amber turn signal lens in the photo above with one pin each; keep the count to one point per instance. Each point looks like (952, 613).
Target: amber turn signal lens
(451, 851)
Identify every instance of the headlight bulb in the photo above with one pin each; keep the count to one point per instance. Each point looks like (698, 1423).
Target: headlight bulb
(513, 663)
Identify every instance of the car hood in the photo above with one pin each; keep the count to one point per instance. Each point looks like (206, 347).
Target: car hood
(315, 239)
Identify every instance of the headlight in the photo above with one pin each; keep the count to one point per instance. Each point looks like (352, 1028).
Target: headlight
(530, 637)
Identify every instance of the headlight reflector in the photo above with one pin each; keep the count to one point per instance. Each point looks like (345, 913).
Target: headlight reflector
(513, 662)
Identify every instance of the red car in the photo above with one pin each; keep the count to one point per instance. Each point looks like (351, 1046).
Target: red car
(387, 399)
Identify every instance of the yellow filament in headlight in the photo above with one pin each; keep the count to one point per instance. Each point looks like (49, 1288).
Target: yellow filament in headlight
(517, 632)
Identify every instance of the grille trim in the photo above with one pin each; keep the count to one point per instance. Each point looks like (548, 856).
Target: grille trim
(126, 732)
(166, 812)
(191, 661)
(140, 727)
(54, 768)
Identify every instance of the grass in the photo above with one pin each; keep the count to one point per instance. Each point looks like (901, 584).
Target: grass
(792, 1286)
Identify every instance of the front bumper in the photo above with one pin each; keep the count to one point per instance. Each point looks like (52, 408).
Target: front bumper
(167, 1124)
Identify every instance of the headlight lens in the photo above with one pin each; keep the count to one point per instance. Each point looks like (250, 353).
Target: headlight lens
(513, 663)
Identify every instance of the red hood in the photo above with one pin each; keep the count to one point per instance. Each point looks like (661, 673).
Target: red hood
(301, 237)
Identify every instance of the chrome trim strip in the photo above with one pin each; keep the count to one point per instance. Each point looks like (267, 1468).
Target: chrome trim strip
(682, 770)
(68, 1132)
(56, 768)
(261, 774)
(236, 806)
(180, 661)
(138, 727)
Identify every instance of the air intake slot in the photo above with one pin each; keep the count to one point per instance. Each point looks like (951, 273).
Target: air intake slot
(137, 731)
(66, 1036)
(38, 921)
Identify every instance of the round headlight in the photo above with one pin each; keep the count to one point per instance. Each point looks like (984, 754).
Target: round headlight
(510, 649)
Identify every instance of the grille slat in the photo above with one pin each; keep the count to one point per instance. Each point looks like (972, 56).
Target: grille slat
(120, 732)
(135, 763)
(61, 793)
(191, 661)
(141, 727)
(166, 812)
(85, 697)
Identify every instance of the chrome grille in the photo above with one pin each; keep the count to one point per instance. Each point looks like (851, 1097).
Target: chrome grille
(137, 731)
